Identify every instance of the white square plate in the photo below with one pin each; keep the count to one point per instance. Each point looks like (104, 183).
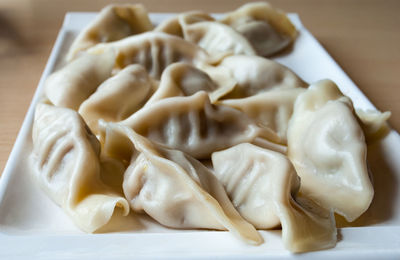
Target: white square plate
(31, 225)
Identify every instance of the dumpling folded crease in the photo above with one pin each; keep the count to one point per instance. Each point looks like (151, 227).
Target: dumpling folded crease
(263, 186)
(255, 75)
(271, 109)
(113, 23)
(192, 123)
(195, 126)
(183, 79)
(154, 51)
(327, 147)
(267, 29)
(172, 187)
(67, 166)
(118, 97)
(76, 81)
(217, 38)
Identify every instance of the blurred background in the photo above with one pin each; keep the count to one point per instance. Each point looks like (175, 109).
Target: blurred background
(363, 36)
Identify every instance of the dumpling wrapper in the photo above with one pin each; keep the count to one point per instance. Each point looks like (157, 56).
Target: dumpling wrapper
(374, 124)
(255, 74)
(173, 25)
(270, 109)
(170, 26)
(327, 147)
(113, 23)
(267, 29)
(67, 167)
(217, 38)
(195, 126)
(77, 80)
(118, 97)
(154, 51)
(262, 185)
(183, 79)
(172, 187)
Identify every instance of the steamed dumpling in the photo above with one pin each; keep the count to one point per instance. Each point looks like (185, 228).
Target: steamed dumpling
(257, 74)
(217, 38)
(194, 126)
(182, 79)
(268, 30)
(118, 97)
(327, 147)
(271, 109)
(263, 186)
(174, 24)
(154, 51)
(170, 26)
(174, 188)
(67, 167)
(113, 23)
(192, 17)
(374, 124)
(76, 81)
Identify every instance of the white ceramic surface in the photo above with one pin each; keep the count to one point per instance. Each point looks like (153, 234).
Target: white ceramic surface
(32, 226)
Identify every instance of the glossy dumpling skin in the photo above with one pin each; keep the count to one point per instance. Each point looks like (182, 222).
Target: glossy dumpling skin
(77, 80)
(118, 97)
(113, 23)
(154, 51)
(327, 147)
(267, 29)
(183, 79)
(263, 187)
(257, 74)
(172, 187)
(67, 167)
(195, 126)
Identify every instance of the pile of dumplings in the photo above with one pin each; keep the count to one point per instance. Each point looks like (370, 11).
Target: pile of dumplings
(190, 123)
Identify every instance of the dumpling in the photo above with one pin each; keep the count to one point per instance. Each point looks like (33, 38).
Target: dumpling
(113, 23)
(327, 147)
(373, 123)
(257, 74)
(267, 29)
(182, 79)
(67, 167)
(194, 126)
(76, 81)
(192, 17)
(118, 97)
(222, 77)
(170, 26)
(263, 187)
(173, 25)
(271, 109)
(154, 51)
(174, 188)
(217, 38)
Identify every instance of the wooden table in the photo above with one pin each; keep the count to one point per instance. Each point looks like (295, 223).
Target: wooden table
(363, 36)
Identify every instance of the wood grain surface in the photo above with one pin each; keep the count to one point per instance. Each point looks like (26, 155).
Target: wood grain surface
(363, 36)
